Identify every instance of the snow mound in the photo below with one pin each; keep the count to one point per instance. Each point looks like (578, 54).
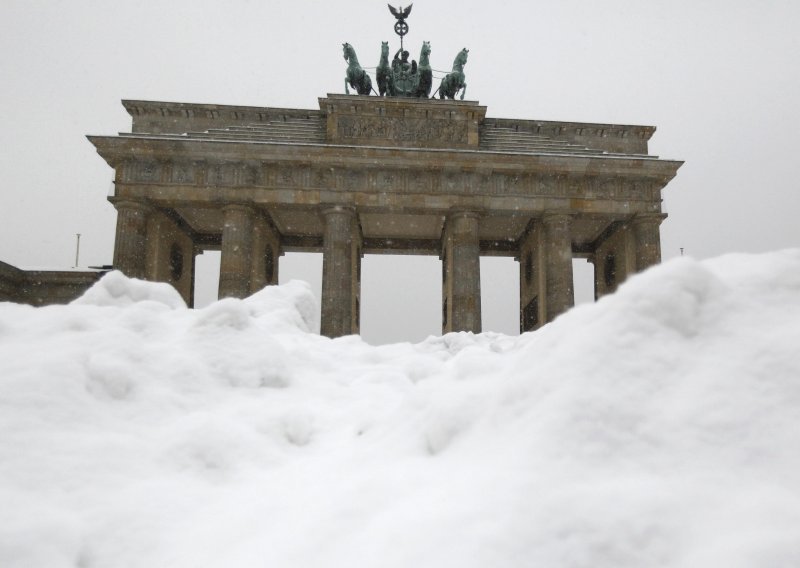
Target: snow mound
(657, 427)
(116, 289)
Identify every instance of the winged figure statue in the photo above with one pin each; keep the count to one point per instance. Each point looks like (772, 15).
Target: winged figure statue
(400, 13)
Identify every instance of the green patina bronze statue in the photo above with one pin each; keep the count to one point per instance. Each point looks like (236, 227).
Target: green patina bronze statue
(401, 77)
(356, 77)
(404, 78)
(383, 73)
(404, 73)
(424, 75)
(401, 27)
(454, 81)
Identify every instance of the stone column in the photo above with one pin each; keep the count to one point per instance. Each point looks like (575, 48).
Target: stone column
(266, 251)
(196, 251)
(130, 246)
(462, 286)
(559, 294)
(648, 240)
(338, 272)
(237, 251)
(531, 279)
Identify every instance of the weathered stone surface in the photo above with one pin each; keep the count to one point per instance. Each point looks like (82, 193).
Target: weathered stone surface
(557, 245)
(461, 293)
(44, 287)
(130, 246)
(236, 261)
(401, 167)
(340, 273)
(414, 123)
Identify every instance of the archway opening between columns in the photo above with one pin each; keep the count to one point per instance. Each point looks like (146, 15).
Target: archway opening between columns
(500, 294)
(206, 278)
(306, 266)
(401, 298)
(401, 295)
(583, 280)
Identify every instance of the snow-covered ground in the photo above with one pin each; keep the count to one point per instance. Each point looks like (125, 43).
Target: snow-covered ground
(657, 427)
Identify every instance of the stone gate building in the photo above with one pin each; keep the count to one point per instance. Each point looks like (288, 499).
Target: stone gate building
(383, 176)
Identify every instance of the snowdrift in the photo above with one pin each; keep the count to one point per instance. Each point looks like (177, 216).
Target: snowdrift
(657, 427)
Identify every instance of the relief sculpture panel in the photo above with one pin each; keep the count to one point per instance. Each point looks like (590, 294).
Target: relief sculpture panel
(143, 171)
(402, 130)
(183, 173)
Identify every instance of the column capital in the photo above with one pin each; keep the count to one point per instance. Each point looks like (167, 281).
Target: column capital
(339, 209)
(462, 221)
(344, 214)
(244, 207)
(468, 213)
(557, 216)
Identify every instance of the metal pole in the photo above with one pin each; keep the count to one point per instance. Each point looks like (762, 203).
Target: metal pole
(77, 249)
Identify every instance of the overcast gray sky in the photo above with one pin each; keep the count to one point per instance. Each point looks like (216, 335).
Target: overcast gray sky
(718, 78)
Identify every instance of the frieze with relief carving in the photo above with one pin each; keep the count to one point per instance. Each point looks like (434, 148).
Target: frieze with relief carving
(420, 182)
(323, 178)
(142, 171)
(402, 130)
(512, 184)
(444, 181)
(221, 175)
(390, 180)
(183, 173)
(618, 188)
(247, 175)
(352, 180)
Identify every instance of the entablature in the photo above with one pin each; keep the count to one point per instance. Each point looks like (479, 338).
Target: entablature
(118, 150)
(385, 184)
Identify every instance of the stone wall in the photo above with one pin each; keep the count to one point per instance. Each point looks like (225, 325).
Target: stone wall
(44, 287)
(165, 117)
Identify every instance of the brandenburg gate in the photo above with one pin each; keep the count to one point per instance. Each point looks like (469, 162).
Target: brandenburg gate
(383, 175)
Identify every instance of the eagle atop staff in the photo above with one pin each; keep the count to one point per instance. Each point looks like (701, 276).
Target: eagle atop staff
(400, 13)
(400, 26)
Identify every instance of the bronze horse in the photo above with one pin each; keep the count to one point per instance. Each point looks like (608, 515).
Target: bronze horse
(424, 72)
(356, 77)
(383, 73)
(454, 81)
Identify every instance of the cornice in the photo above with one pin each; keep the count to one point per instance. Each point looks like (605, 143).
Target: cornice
(117, 150)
